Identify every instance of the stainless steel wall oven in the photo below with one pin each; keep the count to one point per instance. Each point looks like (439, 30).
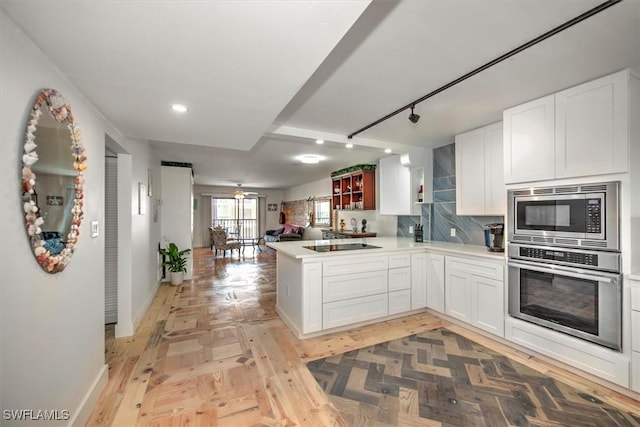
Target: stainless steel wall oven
(564, 261)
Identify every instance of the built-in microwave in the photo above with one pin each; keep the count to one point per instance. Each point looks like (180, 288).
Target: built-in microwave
(585, 215)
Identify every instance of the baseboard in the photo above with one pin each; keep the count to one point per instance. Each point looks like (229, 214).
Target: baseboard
(81, 415)
(140, 314)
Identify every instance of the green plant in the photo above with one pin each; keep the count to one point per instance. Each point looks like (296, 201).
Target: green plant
(176, 260)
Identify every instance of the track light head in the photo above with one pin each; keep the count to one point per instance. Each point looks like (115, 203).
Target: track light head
(413, 117)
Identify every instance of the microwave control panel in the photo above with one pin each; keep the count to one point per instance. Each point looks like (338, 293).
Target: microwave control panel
(594, 220)
(559, 255)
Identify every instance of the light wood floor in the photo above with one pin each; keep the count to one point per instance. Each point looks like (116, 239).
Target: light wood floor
(213, 352)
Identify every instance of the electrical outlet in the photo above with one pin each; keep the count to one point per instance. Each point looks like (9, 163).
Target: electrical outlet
(453, 232)
(411, 229)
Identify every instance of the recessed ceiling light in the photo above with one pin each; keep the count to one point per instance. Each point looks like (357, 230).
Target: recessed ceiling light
(349, 145)
(320, 141)
(310, 159)
(387, 150)
(179, 108)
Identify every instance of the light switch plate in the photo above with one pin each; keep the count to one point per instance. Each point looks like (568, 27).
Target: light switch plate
(453, 232)
(95, 229)
(411, 229)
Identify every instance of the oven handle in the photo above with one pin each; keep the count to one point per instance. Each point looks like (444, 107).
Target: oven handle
(612, 278)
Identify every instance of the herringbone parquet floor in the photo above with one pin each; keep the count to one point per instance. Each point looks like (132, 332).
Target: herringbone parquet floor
(449, 380)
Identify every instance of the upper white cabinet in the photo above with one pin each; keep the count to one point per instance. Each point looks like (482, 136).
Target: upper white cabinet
(395, 187)
(591, 127)
(480, 186)
(529, 146)
(581, 131)
(399, 184)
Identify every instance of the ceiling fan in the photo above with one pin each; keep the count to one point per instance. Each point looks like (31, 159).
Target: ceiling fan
(240, 193)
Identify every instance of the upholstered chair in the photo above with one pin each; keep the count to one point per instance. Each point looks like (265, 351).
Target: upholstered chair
(222, 242)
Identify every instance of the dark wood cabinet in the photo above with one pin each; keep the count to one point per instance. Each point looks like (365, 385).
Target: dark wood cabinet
(355, 190)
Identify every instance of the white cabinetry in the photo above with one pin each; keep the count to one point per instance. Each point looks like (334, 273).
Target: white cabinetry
(399, 283)
(354, 290)
(529, 146)
(635, 335)
(480, 186)
(395, 187)
(419, 272)
(435, 282)
(580, 131)
(591, 127)
(475, 293)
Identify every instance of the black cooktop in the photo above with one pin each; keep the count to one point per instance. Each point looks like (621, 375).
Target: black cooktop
(341, 247)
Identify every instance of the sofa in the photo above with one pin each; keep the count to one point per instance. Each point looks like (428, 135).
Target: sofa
(286, 233)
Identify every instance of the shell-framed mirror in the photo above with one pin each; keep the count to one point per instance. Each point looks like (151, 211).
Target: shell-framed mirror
(53, 165)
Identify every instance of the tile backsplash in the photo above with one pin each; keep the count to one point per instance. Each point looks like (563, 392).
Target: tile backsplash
(440, 217)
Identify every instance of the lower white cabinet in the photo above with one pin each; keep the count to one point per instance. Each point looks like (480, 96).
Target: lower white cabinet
(346, 312)
(399, 301)
(419, 269)
(435, 282)
(635, 335)
(474, 293)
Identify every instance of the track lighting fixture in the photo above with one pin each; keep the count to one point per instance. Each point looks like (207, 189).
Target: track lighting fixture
(413, 117)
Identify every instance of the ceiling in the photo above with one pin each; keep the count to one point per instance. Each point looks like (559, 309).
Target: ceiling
(264, 79)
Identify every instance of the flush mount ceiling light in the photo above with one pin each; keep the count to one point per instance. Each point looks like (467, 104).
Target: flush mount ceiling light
(319, 141)
(387, 150)
(413, 117)
(349, 145)
(309, 159)
(179, 108)
(560, 28)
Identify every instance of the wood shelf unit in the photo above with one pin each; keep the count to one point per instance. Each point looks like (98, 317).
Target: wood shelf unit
(354, 190)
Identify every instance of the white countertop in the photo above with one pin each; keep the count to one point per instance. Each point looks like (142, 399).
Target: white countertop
(296, 249)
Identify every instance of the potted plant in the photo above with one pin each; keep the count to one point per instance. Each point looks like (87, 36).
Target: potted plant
(176, 262)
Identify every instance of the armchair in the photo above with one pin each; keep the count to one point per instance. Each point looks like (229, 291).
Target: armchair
(221, 242)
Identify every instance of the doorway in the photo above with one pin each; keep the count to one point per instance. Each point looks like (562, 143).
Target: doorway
(239, 217)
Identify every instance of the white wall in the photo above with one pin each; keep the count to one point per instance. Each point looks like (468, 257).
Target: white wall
(52, 326)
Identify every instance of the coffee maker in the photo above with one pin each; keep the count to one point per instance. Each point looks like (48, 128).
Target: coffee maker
(494, 237)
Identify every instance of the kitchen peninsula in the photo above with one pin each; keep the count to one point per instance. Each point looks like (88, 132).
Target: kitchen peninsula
(326, 285)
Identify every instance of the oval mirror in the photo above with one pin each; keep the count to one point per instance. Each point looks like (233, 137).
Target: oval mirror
(53, 162)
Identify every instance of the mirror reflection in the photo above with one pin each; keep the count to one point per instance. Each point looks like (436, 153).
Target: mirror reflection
(52, 178)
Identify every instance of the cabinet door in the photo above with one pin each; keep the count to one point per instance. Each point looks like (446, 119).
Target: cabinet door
(495, 192)
(487, 304)
(418, 281)
(399, 301)
(435, 282)
(312, 297)
(635, 371)
(591, 127)
(458, 294)
(529, 141)
(470, 171)
(347, 312)
(388, 184)
(395, 187)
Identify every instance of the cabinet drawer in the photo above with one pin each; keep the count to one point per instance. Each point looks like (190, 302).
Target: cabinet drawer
(635, 299)
(397, 261)
(399, 278)
(335, 288)
(399, 301)
(635, 325)
(354, 310)
(354, 265)
(478, 268)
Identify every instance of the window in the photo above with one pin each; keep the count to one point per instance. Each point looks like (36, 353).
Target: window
(238, 216)
(322, 212)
